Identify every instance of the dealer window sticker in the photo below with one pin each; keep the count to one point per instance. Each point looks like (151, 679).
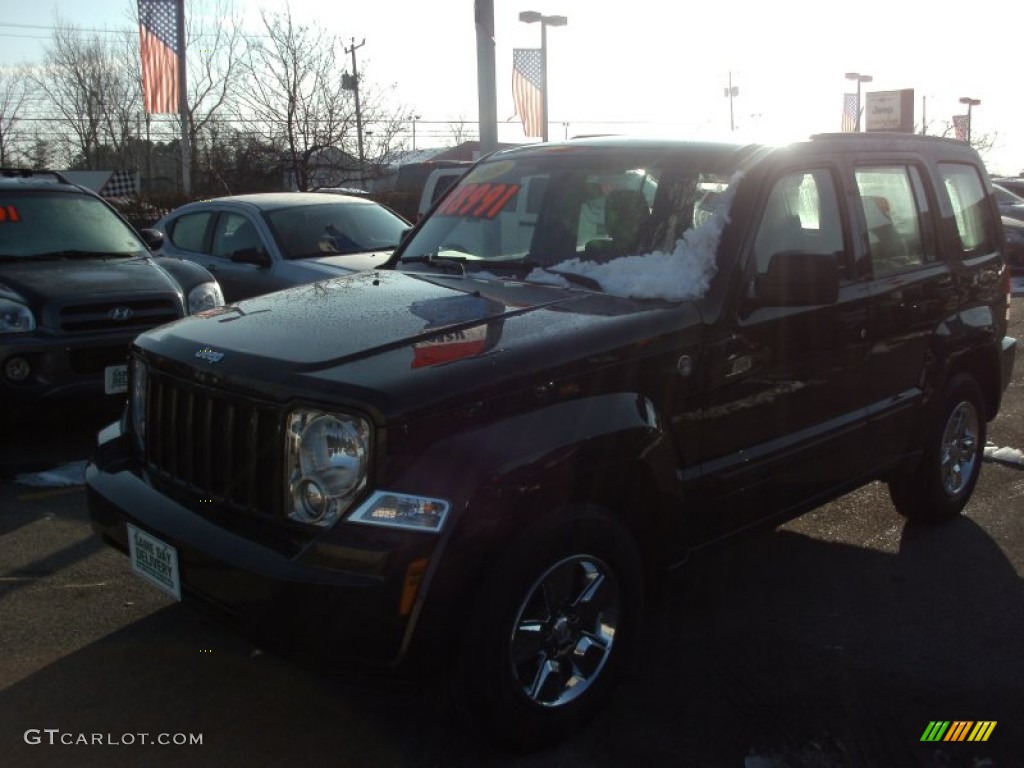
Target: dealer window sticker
(478, 201)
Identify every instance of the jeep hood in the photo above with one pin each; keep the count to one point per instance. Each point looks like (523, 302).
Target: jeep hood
(401, 339)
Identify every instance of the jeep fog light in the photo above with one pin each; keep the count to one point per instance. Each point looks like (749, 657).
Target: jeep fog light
(399, 510)
(327, 465)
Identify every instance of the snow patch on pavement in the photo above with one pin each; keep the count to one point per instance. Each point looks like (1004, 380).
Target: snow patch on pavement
(67, 474)
(1012, 456)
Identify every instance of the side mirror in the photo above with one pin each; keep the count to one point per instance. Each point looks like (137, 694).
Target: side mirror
(798, 279)
(153, 238)
(253, 256)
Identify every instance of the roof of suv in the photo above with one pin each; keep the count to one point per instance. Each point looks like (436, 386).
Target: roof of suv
(22, 178)
(875, 140)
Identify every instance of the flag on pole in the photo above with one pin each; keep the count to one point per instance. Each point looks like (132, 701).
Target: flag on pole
(160, 49)
(527, 89)
(850, 111)
(960, 127)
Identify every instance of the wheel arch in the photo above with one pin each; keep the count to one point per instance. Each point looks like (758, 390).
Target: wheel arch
(607, 452)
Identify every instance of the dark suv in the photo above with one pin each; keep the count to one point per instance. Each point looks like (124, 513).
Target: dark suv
(590, 360)
(77, 284)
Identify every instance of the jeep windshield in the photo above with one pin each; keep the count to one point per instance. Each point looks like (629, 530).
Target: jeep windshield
(569, 216)
(43, 224)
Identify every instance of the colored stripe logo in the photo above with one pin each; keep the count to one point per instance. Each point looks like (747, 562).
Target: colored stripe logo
(958, 730)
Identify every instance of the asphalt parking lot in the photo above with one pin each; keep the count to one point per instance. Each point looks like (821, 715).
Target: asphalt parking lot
(833, 640)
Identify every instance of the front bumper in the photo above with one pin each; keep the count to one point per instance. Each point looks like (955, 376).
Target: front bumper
(61, 367)
(341, 598)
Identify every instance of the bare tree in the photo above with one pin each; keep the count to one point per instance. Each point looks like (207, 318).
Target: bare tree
(215, 47)
(302, 101)
(295, 94)
(461, 131)
(86, 82)
(14, 87)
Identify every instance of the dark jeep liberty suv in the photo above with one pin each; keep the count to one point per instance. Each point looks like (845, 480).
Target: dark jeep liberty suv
(591, 359)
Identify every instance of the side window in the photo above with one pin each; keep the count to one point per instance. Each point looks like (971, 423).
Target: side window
(189, 231)
(967, 195)
(892, 216)
(232, 233)
(802, 214)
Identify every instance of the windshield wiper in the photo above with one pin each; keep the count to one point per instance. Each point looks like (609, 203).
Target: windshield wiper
(435, 260)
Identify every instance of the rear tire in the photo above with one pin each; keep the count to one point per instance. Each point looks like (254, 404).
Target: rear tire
(552, 629)
(939, 489)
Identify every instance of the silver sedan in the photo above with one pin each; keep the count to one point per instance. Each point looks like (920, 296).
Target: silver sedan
(255, 244)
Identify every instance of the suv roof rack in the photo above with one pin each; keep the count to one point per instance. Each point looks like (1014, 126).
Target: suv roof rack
(26, 173)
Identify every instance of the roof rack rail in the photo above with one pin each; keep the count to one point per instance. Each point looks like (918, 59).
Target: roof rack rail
(26, 173)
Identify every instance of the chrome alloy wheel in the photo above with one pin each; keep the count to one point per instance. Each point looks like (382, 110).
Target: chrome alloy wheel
(564, 630)
(959, 452)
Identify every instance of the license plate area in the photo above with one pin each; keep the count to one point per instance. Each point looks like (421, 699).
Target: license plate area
(155, 561)
(115, 379)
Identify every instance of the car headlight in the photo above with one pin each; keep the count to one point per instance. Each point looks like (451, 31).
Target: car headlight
(205, 296)
(327, 460)
(15, 317)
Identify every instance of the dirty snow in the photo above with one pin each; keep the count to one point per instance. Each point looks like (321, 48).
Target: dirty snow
(1004, 455)
(685, 273)
(67, 474)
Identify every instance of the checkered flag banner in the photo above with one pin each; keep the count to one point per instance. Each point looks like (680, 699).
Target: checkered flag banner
(121, 184)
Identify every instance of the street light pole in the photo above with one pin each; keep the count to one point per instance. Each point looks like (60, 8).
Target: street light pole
(970, 103)
(531, 17)
(860, 79)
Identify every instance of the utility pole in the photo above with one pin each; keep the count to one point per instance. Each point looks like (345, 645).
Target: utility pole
(732, 92)
(351, 83)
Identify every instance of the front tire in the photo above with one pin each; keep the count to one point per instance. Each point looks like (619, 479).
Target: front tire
(553, 628)
(955, 441)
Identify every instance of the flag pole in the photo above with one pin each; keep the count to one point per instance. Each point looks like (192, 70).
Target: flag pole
(186, 144)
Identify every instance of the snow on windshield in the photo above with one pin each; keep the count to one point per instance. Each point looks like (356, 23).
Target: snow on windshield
(685, 273)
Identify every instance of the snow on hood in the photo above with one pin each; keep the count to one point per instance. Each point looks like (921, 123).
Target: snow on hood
(683, 274)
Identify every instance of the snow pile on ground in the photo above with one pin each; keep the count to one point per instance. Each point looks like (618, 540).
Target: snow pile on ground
(1004, 455)
(70, 473)
(685, 273)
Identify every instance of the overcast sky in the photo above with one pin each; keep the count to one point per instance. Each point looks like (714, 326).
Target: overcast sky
(653, 66)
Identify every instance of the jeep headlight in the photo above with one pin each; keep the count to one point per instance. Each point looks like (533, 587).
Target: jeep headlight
(15, 317)
(327, 458)
(203, 297)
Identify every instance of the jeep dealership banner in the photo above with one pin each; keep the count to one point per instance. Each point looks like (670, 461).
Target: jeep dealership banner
(890, 111)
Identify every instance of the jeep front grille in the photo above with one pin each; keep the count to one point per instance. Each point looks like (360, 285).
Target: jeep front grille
(118, 315)
(222, 450)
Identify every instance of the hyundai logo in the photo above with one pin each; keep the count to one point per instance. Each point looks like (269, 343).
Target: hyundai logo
(120, 314)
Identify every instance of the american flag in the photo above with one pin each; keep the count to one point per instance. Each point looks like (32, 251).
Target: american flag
(960, 127)
(527, 89)
(850, 111)
(160, 48)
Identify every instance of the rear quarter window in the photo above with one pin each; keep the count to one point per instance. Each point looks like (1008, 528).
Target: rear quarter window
(974, 222)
